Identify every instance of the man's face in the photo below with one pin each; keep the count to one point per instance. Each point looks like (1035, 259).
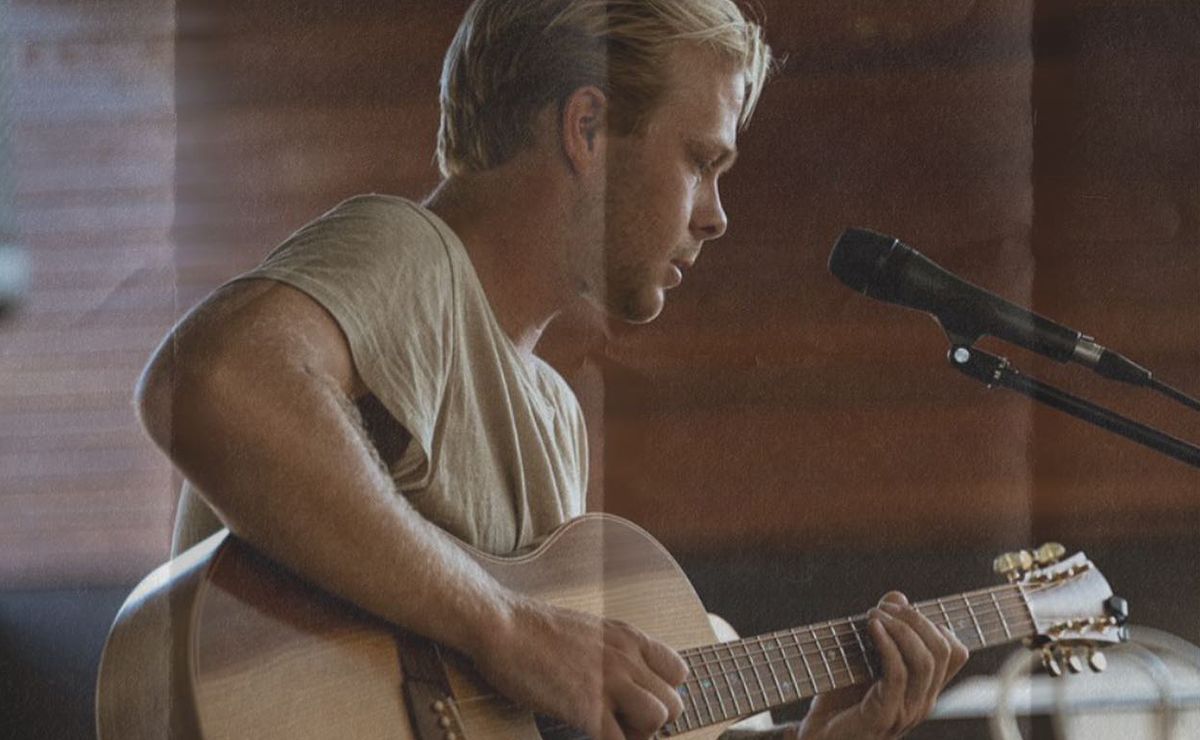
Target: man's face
(661, 201)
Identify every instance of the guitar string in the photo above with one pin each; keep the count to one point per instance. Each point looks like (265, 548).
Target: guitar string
(835, 656)
(771, 692)
(842, 665)
(959, 603)
(812, 647)
(839, 663)
(830, 651)
(754, 701)
(1009, 607)
(834, 675)
(940, 612)
(835, 671)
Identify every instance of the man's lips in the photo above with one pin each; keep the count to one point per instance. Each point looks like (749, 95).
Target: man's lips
(680, 265)
(676, 276)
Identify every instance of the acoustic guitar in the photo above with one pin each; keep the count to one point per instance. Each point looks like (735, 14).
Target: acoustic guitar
(220, 643)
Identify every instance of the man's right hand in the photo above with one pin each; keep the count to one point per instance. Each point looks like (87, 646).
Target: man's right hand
(599, 675)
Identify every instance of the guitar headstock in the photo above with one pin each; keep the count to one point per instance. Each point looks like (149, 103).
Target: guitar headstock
(1071, 604)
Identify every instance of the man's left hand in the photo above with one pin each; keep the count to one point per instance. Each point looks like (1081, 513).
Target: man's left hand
(918, 660)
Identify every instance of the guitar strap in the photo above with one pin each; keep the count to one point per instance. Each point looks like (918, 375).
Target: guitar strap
(427, 693)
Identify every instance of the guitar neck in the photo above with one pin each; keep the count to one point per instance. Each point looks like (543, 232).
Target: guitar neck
(732, 679)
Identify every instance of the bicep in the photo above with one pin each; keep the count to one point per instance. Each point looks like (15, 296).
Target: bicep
(260, 333)
(250, 398)
(260, 322)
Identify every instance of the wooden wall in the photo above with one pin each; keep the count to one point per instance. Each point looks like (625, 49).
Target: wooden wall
(1047, 151)
(83, 497)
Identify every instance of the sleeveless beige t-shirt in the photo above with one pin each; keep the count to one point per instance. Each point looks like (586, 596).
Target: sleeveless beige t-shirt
(498, 455)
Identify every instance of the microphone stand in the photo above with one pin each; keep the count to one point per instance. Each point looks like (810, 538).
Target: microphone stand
(992, 371)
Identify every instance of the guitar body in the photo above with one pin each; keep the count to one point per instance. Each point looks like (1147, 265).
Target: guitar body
(220, 644)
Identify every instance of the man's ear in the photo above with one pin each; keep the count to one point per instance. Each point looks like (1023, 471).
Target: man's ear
(583, 128)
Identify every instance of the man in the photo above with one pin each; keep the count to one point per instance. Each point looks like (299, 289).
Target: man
(372, 386)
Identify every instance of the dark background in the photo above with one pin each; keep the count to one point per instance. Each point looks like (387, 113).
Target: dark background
(801, 449)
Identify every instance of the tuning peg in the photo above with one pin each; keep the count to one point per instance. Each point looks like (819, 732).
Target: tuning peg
(1073, 661)
(1096, 660)
(1013, 565)
(1050, 663)
(1049, 554)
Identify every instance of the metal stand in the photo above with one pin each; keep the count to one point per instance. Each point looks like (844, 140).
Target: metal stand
(992, 371)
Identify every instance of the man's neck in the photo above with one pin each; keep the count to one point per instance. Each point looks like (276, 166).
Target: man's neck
(512, 224)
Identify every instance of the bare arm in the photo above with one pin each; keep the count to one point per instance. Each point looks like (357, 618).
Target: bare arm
(250, 397)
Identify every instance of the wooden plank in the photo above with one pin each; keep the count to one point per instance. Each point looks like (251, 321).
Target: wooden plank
(146, 478)
(112, 554)
(350, 60)
(138, 215)
(66, 422)
(76, 516)
(28, 466)
(75, 19)
(18, 441)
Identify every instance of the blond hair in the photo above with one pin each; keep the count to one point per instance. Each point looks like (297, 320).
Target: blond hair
(511, 58)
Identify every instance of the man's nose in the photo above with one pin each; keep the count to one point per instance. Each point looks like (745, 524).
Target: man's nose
(709, 220)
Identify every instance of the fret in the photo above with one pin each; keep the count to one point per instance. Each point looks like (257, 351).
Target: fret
(691, 697)
(1003, 621)
(715, 669)
(837, 640)
(946, 616)
(788, 664)
(821, 650)
(705, 683)
(970, 611)
(804, 659)
(774, 674)
(737, 711)
(762, 687)
(771, 667)
(745, 686)
(708, 681)
(717, 691)
(862, 646)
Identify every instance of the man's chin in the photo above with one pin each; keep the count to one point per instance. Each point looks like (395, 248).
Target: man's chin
(640, 320)
(630, 309)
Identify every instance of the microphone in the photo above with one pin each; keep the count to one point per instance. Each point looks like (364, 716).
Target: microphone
(887, 269)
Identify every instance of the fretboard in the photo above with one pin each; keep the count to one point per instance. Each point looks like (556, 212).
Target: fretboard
(732, 679)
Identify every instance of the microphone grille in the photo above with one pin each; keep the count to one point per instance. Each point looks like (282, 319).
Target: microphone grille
(857, 255)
